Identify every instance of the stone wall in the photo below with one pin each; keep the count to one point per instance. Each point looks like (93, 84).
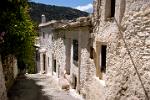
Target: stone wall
(10, 70)
(122, 82)
(94, 88)
(74, 65)
(59, 52)
(45, 48)
(63, 53)
(83, 71)
(3, 94)
(84, 45)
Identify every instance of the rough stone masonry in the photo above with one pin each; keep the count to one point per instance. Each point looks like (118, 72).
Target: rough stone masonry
(104, 69)
(133, 17)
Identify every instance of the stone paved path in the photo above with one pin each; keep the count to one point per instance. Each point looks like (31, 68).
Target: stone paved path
(39, 87)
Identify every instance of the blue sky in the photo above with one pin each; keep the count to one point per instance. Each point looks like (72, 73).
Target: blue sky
(84, 5)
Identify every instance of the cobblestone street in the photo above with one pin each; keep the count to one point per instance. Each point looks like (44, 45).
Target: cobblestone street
(40, 87)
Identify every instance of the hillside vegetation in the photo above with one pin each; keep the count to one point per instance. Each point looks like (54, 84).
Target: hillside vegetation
(53, 12)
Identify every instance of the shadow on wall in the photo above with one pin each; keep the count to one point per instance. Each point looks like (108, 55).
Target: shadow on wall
(27, 89)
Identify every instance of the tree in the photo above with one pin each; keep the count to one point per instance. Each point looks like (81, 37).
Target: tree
(18, 31)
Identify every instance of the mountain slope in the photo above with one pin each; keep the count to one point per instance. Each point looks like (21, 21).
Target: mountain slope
(53, 12)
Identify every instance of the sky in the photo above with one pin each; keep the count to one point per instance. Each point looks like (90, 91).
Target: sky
(83, 5)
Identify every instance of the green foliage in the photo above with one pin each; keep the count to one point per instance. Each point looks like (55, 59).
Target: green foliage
(54, 12)
(19, 31)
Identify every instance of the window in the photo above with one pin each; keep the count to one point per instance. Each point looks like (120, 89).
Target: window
(113, 8)
(91, 52)
(110, 9)
(74, 82)
(103, 58)
(54, 65)
(44, 62)
(43, 35)
(75, 50)
(101, 55)
(37, 56)
(52, 37)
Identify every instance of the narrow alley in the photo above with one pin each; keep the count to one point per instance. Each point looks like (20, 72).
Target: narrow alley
(39, 87)
(98, 52)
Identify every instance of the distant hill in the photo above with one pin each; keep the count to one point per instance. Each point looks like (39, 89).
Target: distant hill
(53, 12)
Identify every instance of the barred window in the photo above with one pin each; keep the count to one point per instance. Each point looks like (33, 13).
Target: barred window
(75, 50)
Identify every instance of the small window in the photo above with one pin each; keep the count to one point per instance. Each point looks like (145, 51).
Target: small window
(103, 58)
(75, 50)
(44, 62)
(110, 9)
(43, 35)
(37, 56)
(91, 52)
(52, 38)
(113, 8)
(54, 65)
(74, 82)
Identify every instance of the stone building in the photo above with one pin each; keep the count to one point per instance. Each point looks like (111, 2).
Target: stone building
(121, 30)
(75, 37)
(63, 50)
(104, 57)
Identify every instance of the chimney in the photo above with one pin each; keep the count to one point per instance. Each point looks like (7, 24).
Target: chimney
(43, 18)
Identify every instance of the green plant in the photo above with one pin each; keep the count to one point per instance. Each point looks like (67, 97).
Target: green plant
(19, 31)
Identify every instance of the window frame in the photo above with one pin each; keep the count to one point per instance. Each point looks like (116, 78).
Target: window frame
(108, 9)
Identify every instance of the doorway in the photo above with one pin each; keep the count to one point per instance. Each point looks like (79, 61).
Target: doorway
(74, 82)
(54, 67)
(103, 58)
(44, 62)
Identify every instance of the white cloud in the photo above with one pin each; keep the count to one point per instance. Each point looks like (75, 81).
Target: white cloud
(88, 7)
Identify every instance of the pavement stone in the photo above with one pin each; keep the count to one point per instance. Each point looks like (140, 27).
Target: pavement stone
(39, 87)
